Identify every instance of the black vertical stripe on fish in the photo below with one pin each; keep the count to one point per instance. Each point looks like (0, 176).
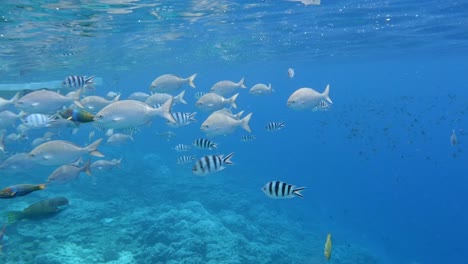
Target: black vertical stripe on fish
(217, 162)
(270, 188)
(277, 188)
(289, 189)
(283, 189)
(207, 164)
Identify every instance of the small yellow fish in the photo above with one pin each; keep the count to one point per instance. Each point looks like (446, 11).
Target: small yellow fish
(328, 247)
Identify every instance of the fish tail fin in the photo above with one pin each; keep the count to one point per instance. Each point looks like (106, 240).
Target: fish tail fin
(192, 117)
(241, 83)
(180, 98)
(227, 159)
(15, 98)
(232, 100)
(325, 94)
(245, 123)
(41, 186)
(87, 168)
(270, 88)
(14, 216)
(297, 192)
(165, 110)
(191, 79)
(76, 98)
(238, 115)
(116, 98)
(118, 163)
(89, 80)
(92, 148)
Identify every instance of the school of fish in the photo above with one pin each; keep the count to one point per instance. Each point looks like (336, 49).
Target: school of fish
(77, 104)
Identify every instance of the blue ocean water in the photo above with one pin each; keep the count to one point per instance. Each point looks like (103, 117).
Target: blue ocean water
(380, 172)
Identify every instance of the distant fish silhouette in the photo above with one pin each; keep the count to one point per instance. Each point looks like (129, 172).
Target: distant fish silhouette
(453, 138)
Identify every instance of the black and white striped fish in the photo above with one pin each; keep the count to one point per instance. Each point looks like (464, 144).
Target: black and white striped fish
(182, 160)
(37, 120)
(322, 106)
(247, 138)
(74, 82)
(182, 148)
(182, 119)
(281, 190)
(211, 164)
(203, 143)
(198, 95)
(274, 126)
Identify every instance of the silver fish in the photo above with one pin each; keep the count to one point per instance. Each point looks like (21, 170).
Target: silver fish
(307, 98)
(68, 172)
(168, 83)
(45, 102)
(160, 98)
(59, 152)
(118, 139)
(138, 96)
(221, 124)
(227, 87)
(261, 89)
(213, 102)
(131, 114)
(94, 103)
(19, 162)
(105, 165)
(229, 113)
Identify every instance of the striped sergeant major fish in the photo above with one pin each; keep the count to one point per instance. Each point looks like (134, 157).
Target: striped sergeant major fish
(198, 95)
(281, 190)
(211, 164)
(74, 81)
(182, 147)
(37, 120)
(182, 160)
(203, 143)
(322, 106)
(182, 119)
(247, 138)
(274, 126)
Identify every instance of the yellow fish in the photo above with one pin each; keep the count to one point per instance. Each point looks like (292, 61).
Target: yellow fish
(328, 247)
